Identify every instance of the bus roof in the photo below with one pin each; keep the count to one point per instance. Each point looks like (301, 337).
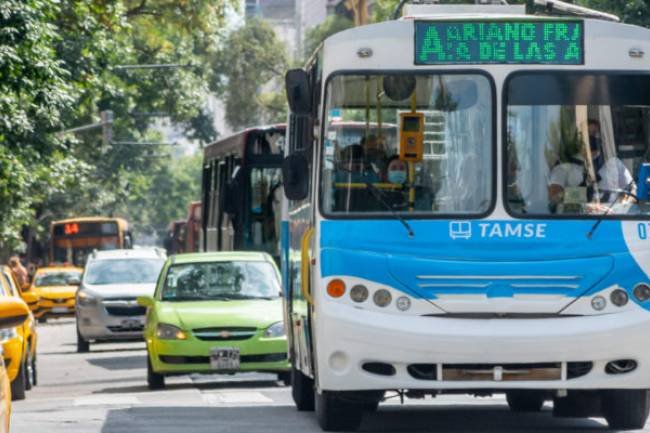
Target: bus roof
(121, 222)
(390, 45)
(236, 142)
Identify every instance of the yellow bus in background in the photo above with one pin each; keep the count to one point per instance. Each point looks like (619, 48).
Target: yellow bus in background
(73, 239)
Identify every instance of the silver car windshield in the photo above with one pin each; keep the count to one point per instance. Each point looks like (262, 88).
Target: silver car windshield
(123, 271)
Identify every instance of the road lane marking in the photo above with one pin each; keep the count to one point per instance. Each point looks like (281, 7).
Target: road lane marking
(235, 397)
(101, 400)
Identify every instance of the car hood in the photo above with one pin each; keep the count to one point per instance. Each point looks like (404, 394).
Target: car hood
(108, 291)
(56, 290)
(256, 313)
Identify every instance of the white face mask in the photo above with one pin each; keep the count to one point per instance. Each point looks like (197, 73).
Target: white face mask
(397, 176)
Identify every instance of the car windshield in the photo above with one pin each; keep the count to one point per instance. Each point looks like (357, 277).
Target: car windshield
(56, 278)
(578, 144)
(362, 169)
(123, 271)
(221, 281)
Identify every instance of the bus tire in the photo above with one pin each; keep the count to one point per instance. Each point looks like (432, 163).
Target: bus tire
(83, 346)
(18, 385)
(336, 414)
(525, 400)
(626, 409)
(155, 381)
(302, 390)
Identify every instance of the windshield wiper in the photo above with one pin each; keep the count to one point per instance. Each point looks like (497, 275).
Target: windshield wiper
(619, 193)
(380, 198)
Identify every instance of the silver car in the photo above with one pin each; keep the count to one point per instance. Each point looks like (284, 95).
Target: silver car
(106, 307)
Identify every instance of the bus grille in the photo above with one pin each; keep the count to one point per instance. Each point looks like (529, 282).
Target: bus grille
(500, 372)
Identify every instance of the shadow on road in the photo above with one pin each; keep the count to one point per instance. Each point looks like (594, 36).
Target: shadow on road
(204, 386)
(264, 419)
(120, 362)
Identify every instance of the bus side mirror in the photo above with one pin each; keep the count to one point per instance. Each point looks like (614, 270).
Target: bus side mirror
(295, 176)
(299, 95)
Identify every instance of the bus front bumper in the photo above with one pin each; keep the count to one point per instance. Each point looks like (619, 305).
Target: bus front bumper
(458, 354)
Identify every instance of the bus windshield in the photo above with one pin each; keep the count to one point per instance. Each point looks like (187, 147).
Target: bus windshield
(367, 176)
(576, 143)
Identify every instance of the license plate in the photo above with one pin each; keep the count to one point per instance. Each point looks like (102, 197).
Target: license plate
(224, 358)
(60, 310)
(131, 324)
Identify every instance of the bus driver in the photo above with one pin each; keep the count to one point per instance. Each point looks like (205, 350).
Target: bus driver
(570, 181)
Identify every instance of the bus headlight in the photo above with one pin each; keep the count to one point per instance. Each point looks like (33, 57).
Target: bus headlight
(642, 292)
(598, 303)
(359, 293)
(619, 297)
(275, 330)
(382, 298)
(165, 331)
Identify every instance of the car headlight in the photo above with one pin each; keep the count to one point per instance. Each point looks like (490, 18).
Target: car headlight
(85, 300)
(275, 330)
(165, 331)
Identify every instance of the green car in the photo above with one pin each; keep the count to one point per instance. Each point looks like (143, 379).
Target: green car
(215, 313)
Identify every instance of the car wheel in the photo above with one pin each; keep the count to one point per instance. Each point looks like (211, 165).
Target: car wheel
(285, 377)
(336, 414)
(29, 369)
(154, 380)
(83, 346)
(18, 385)
(626, 409)
(34, 371)
(525, 400)
(302, 390)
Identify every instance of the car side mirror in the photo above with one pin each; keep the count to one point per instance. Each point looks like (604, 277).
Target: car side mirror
(73, 281)
(13, 312)
(295, 176)
(299, 92)
(144, 301)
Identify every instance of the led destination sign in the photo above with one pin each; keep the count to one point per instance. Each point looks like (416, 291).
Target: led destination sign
(513, 42)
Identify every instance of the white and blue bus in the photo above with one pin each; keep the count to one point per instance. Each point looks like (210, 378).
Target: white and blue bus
(498, 242)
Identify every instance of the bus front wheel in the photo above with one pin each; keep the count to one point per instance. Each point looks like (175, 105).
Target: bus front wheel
(335, 413)
(525, 400)
(626, 409)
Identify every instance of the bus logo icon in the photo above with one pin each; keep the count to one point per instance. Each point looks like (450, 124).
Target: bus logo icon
(460, 229)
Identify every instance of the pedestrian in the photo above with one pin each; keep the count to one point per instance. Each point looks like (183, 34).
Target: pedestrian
(19, 271)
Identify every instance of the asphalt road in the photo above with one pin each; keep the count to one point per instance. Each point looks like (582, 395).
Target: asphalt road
(105, 391)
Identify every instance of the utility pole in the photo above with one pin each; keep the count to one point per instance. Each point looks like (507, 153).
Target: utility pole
(107, 127)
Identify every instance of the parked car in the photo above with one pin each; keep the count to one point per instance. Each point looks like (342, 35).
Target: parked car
(56, 287)
(19, 342)
(215, 312)
(13, 313)
(106, 307)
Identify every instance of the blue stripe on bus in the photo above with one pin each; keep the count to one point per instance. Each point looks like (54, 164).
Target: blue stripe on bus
(380, 251)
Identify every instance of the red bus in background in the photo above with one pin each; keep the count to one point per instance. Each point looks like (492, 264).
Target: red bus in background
(185, 236)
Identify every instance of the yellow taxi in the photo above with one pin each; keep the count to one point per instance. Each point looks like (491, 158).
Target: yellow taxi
(13, 313)
(19, 343)
(56, 287)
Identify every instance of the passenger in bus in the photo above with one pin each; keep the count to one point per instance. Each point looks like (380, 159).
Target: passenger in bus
(571, 182)
(374, 152)
(353, 167)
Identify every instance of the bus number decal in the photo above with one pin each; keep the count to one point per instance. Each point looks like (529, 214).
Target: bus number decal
(642, 228)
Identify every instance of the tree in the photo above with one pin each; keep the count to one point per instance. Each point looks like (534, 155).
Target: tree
(316, 35)
(244, 73)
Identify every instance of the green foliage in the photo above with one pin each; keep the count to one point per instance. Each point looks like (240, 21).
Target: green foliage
(245, 69)
(332, 25)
